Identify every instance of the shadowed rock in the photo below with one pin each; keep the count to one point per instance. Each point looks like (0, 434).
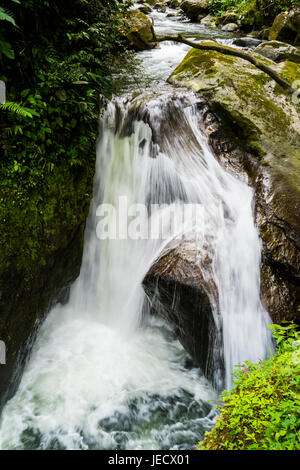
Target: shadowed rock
(181, 289)
(139, 31)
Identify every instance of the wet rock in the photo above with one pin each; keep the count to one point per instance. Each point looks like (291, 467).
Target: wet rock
(279, 51)
(229, 17)
(139, 31)
(286, 26)
(208, 21)
(230, 27)
(29, 288)
(160, 7)
(254, 127)
(174, 3)
(247, 42)
(294, 19)
(173, 14)
(194, 8)
(181, 294)
(145, 8)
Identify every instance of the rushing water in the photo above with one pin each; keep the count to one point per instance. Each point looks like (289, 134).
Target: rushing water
(103, 375)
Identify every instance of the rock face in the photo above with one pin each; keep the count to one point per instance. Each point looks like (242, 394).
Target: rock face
(40, 258)
(254, 130)
(257, 130)
(247, 42)
(230, 27)
(140, 31)
(254, 127)
(286, 26)
(180, 294)
(279, 51)
(145, 8)
(195, 8)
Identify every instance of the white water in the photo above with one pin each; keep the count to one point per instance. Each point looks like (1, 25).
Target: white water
(102, 376)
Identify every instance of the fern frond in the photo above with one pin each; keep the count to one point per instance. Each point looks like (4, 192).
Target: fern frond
(6, 15)
(15, 108)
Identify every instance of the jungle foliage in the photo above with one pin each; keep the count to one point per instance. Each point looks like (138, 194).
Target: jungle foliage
(262, 412)
(252, 12)
(54, 60)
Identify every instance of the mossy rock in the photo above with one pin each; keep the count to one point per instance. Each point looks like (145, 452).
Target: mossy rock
(286, 26)
(257, 107)
(195, 8)
(139, 31)
(175, 3)
(263, 122)
(40, 252)
(279, 51)
(279, 23)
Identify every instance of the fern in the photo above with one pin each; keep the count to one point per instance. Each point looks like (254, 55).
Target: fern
(6, 15)
(16, 109)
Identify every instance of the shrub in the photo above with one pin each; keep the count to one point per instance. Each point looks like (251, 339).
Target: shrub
(262, 411)
(252, 12)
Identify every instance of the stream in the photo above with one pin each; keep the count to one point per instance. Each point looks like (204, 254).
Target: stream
(103, 373)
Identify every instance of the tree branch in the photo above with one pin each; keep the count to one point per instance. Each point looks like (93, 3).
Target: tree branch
(232, 52)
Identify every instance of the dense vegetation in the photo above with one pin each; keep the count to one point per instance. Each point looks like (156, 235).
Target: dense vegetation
(55, 57)
(252, 12)
(262, 412)
(54, 60)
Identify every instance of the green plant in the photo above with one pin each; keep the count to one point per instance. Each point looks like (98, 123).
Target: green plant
(251, 12)
(262, 411)
(6, 47)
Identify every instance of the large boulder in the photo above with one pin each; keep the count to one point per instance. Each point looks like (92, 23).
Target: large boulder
(161, 7)
(230, 27)
(195, 8)
(247, 42)
(294, 20)
(286, 26)
(145, 8)
(182, 295)
(174, 3)
(139, 30)
(254, 126)
(279, 51)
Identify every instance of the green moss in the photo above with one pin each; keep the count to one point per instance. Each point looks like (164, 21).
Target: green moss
(40, 225)
(237, 90)
(290, 71)
(139, 30)
(277, 26)
(257, 150)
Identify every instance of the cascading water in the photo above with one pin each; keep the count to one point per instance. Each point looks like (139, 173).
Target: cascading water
(102, 375)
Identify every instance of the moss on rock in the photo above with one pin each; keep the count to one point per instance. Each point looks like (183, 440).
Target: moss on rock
(139, 31)
(258, 109)
(263, 123)
(40, 255)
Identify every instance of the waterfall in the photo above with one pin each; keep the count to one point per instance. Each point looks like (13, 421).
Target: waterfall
(153, 153)
(101, 374)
